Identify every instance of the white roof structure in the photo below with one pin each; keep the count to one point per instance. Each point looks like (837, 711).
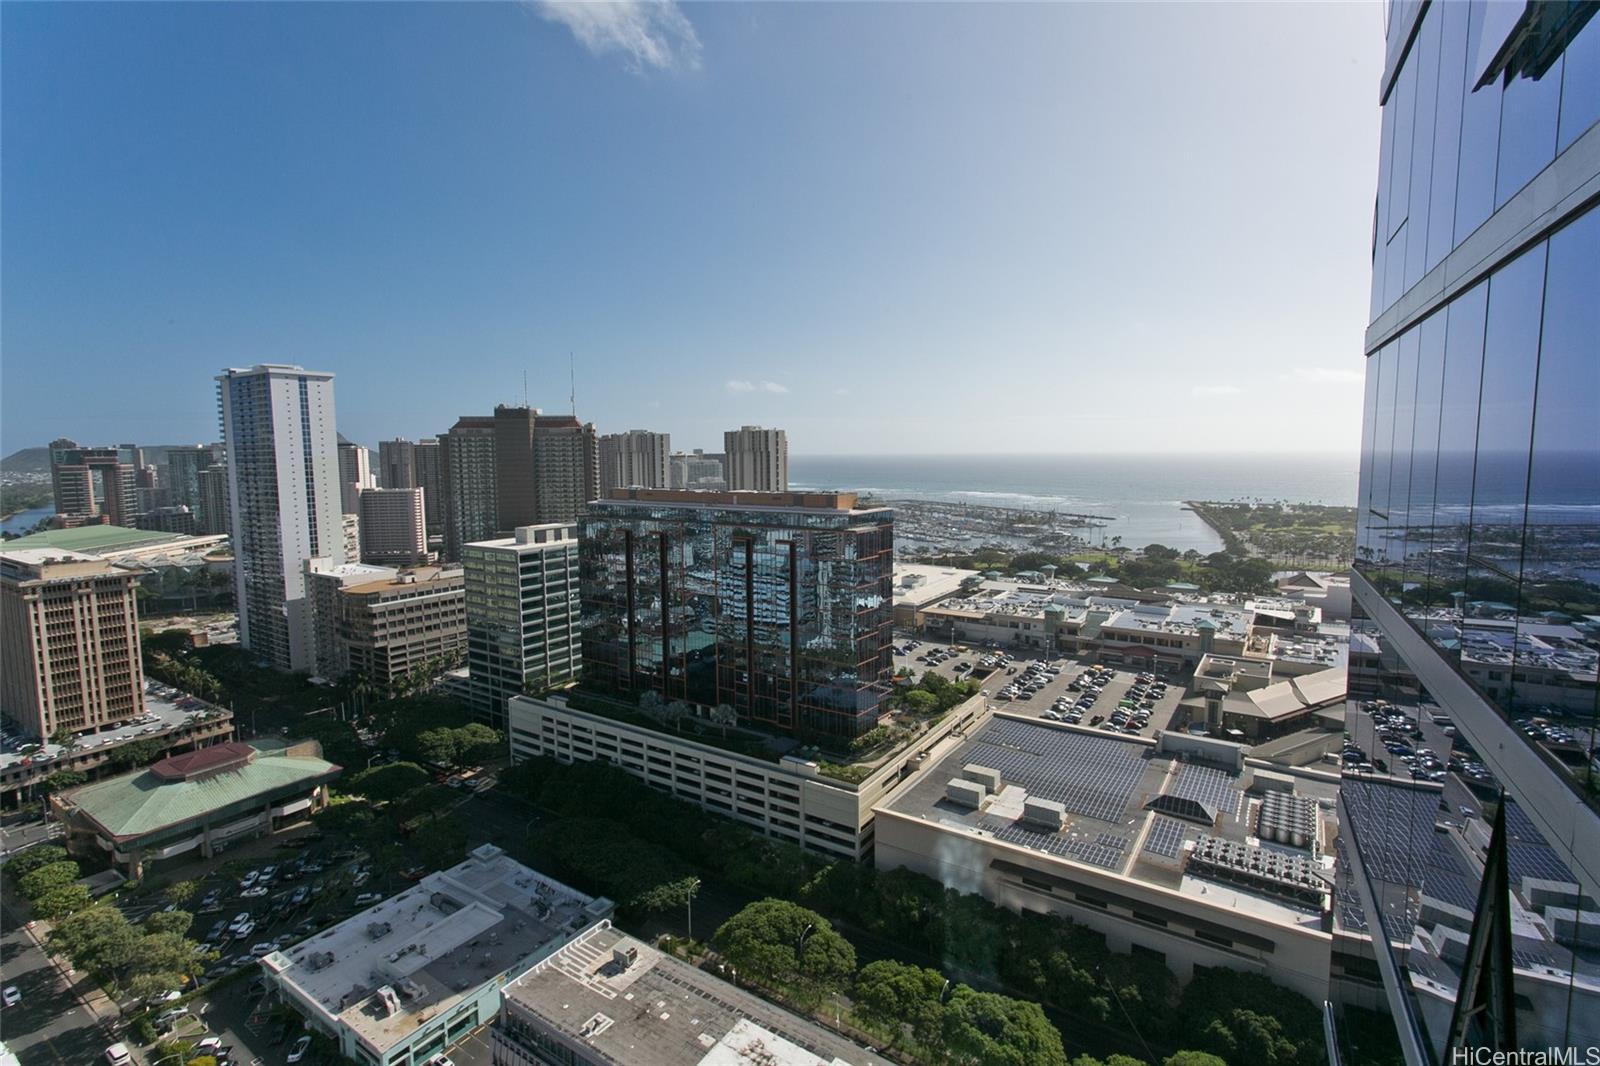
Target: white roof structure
(385, 971)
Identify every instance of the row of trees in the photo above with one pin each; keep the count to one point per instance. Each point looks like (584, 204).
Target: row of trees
(1046, 958)
(797, 953)
(162, 661)
(142, 960)
(47, 879)
(1230, 570)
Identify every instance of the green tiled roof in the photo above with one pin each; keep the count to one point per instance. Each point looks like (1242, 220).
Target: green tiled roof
(91, 539)
(138, 804)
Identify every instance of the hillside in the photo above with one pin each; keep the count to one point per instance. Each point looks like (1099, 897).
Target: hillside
(26, 461)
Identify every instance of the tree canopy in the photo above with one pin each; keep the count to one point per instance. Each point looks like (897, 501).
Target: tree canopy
(785, 946)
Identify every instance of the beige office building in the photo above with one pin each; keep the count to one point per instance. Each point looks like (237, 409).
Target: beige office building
(69, 633)
(387, 627)
(756, 459)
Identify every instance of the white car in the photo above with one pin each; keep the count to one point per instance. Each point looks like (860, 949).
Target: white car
(440, 1059)
(11, 996)
(245, 930)
(208, 1045)
(263, 948)
(253, 893)
(300, 1048)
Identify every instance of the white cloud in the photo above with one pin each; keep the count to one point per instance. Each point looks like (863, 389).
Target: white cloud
(1322, 375)
(841, 392)
(1215, 390)
(741, 385)
(648, 33)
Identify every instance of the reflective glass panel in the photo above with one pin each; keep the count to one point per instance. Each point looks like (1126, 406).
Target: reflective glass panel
(1556, 648)
(1458, 440)
(1500, 475)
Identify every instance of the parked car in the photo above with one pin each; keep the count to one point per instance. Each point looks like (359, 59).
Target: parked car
(253, 893)
(298, 1051)
(11, 996)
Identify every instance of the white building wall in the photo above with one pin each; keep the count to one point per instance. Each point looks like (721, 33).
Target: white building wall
(303, 469)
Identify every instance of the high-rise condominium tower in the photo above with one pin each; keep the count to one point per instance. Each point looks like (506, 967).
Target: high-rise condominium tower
(214, 515)
(522, 614)
(778, 605)
(467, 478)
(430, 479)
(1476, 834)
(69, 632)
(756, 459)
(283, 465)
(637, 459)
(183, 474)
(355, 474)
(546, 466)
(95, 481)
(397, 464)
(392, 528)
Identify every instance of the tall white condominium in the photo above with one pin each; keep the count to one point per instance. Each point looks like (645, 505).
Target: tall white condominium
(355, 474)
(636, 459)
(757, 460)
(283, 488)
(523, 614)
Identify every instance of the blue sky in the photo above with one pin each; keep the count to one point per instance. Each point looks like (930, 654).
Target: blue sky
(886, 227)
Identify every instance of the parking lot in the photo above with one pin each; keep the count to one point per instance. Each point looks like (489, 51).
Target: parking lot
(1043, 687)
(1411, 743)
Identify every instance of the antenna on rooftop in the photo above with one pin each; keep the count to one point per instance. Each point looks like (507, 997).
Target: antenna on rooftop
(572, 385)
(524, 386)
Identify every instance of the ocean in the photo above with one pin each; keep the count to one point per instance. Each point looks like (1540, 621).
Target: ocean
(1141, 495)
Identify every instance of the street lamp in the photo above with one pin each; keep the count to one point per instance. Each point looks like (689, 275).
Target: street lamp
(688, 900)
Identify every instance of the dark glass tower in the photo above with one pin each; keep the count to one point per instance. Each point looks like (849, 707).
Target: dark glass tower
(1470, 809)
(777, 605)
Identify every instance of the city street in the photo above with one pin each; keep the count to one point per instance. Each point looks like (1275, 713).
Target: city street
(51, 1024)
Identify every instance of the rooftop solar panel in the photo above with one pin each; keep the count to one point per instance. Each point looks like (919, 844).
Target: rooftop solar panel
(1166, 837)
(1087, 775)
(1207, 786)
(1092, 852)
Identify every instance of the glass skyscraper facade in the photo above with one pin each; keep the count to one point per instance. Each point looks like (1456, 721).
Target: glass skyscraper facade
(777, 605)
(1478, 547)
